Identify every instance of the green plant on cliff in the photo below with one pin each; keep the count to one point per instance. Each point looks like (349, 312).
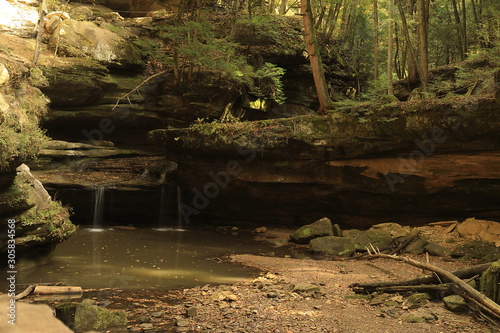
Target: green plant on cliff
(269, 83)
(55, 218)
(20, 135)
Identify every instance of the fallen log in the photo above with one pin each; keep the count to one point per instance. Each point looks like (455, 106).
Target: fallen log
(486, 303)
(463, 273)
(56, 290)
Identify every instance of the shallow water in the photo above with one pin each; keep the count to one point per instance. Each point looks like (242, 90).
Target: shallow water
(144, 258)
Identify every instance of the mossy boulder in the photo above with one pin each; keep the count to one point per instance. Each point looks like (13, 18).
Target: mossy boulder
(304, 234)
(40, 222)
(378, 238)
(455, 303)
(86, 39)
(89, 317)
(334, 246)
(474, 250)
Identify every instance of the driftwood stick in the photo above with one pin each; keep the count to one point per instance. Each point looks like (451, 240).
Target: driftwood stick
(462, 273)
(489, 305)
(26, 292)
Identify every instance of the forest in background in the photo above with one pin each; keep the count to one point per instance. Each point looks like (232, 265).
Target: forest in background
(382, 44)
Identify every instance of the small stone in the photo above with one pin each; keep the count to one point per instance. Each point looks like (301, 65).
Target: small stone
(455, 303)
(420, 298)
(146, 326)
(191, 312)
(156, 314)
(305, 287)
(181, 322)
(260, 230)
(272, 294)
(235, 229)
(409, 318)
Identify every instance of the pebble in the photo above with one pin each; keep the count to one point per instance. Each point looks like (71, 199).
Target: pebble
(191, 312)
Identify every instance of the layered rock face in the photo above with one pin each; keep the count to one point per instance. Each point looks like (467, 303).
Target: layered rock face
(432, 162)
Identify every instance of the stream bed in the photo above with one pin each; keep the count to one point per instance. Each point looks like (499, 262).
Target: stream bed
(145, 258)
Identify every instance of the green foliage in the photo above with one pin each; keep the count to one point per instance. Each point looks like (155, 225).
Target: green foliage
(20, 135)
(269, 84)
(55, 218)
(278, 34)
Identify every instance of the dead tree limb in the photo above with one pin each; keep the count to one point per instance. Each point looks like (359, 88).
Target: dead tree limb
(488, 304)
(463, 273)
(436, 288)
(137, 88)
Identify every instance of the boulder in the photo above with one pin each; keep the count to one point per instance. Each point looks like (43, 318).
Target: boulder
(473, 250)
(332, 245)
(378, 238)
(417, 246)
(483, 230)
(92, 317)
(29, 318)
(304, 234)
(437, 250)
(84, 38)
(18, 19)
(4, 75)
(455, 303)
(396, 230)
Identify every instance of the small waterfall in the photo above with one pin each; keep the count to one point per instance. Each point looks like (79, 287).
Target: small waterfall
(170, 198)
(98, 208)
(162, 218)
(179, 207)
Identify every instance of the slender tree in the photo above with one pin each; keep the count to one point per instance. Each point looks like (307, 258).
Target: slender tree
(390, 89)
(423, 32)
(376, 47)
(315, 58)
(413, 54)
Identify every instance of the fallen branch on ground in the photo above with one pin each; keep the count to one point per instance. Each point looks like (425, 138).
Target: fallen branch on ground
(486, 303)
(463, 273)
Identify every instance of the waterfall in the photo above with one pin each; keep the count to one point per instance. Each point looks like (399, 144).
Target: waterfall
(98, 208)
(162, 218)
(170, 198)
(179, 207)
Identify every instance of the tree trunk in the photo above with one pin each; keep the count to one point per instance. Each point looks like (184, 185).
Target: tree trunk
(459, 28)
(375, 42)
(315, 58)
(412, 67)
(390, 89)
(283, 7)
(464, 27)
(423, 24)
(406, 32)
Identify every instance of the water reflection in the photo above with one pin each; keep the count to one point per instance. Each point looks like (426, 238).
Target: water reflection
(143, 258)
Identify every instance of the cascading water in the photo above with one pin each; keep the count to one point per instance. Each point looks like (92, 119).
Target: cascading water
(169, 198)
(180, 223)
(162, 218)
(98, 208)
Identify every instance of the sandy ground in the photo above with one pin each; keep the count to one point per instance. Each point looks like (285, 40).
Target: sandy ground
(268, 304)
